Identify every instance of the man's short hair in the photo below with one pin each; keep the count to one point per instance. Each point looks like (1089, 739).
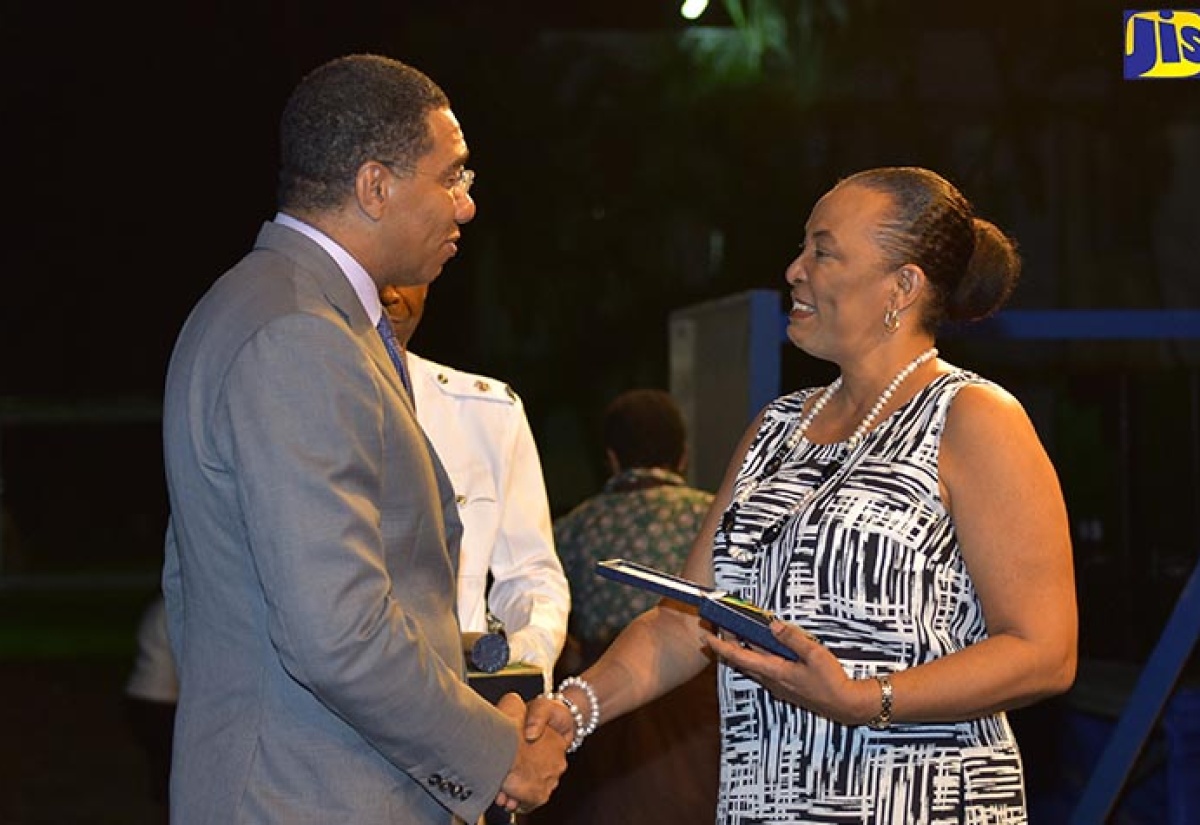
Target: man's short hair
(645, 428)
(344, 113)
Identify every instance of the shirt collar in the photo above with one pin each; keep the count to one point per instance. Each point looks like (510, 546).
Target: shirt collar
(640, 478)
(363, 285)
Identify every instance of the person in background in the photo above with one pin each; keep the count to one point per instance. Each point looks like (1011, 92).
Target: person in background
(479, 431)
(905, 526)
(646, 513)
(149, 698)
(312, 547)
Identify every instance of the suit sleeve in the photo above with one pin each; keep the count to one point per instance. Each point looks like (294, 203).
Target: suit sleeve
(340, 491)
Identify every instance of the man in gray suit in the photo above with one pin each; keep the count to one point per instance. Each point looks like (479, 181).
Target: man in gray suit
(313, 544)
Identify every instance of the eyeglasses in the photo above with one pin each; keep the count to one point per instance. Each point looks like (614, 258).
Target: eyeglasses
(457, 184)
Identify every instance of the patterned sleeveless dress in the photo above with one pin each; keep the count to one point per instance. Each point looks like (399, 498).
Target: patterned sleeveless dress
(870, 565)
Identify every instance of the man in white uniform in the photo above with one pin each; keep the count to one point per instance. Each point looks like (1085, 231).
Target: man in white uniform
(479, 431)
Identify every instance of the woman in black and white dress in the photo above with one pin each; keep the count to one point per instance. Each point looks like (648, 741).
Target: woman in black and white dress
(905, 525)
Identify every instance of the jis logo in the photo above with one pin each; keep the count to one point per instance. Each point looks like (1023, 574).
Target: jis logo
(1162, 44)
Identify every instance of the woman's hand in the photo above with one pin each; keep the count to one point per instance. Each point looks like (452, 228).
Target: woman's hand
(815, 681)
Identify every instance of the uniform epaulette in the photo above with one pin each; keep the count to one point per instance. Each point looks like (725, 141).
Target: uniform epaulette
(469, 385)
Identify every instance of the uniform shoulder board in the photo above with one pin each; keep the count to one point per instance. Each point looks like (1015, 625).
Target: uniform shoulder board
(469, 385)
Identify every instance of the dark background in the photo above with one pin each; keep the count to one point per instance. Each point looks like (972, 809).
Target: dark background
(629, 164)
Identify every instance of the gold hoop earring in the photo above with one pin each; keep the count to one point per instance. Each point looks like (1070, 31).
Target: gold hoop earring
(891, 320)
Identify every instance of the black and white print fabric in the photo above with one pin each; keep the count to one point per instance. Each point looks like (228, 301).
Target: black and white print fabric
(870, 565)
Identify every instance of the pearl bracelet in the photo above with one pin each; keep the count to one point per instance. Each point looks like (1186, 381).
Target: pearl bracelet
(576, 715)
(593, 702)
(582, 729)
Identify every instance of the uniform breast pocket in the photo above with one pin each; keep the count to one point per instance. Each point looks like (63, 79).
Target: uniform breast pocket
(477, 497)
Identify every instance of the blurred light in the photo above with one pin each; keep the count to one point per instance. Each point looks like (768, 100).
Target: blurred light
(691, 9)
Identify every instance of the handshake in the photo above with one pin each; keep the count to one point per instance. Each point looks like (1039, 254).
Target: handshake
(549, 728)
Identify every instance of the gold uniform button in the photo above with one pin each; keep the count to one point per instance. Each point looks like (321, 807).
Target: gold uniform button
(460, 499)
(442, 379)
(482, 386)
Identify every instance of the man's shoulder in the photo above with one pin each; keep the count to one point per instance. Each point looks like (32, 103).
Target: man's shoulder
(460, 384)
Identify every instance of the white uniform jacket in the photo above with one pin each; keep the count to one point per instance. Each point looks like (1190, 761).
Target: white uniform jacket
(478, 427)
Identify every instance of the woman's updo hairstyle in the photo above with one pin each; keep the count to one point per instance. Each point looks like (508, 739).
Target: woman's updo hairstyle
(971, 266)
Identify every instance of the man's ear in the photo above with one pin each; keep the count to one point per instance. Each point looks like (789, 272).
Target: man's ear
(614, 465)
(372, 187)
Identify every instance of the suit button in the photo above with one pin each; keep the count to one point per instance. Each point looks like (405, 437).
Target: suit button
(435, 780)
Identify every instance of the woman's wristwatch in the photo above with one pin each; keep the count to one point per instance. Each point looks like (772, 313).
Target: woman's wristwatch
(884, 719)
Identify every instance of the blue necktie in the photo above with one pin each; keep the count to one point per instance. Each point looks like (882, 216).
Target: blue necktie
(384, 327)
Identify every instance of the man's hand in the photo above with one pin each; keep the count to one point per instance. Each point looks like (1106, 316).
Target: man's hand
(541, 756)
(544, 713)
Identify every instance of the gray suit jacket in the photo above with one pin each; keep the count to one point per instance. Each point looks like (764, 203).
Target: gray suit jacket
(310, 568)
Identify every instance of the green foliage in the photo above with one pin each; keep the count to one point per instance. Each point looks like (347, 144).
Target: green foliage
(788, 41)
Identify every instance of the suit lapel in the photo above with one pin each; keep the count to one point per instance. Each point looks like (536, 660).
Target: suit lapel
(312, 259)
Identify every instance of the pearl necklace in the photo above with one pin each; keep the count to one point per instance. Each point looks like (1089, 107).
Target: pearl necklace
(860, 432)
(864, 426)
(852, 443)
